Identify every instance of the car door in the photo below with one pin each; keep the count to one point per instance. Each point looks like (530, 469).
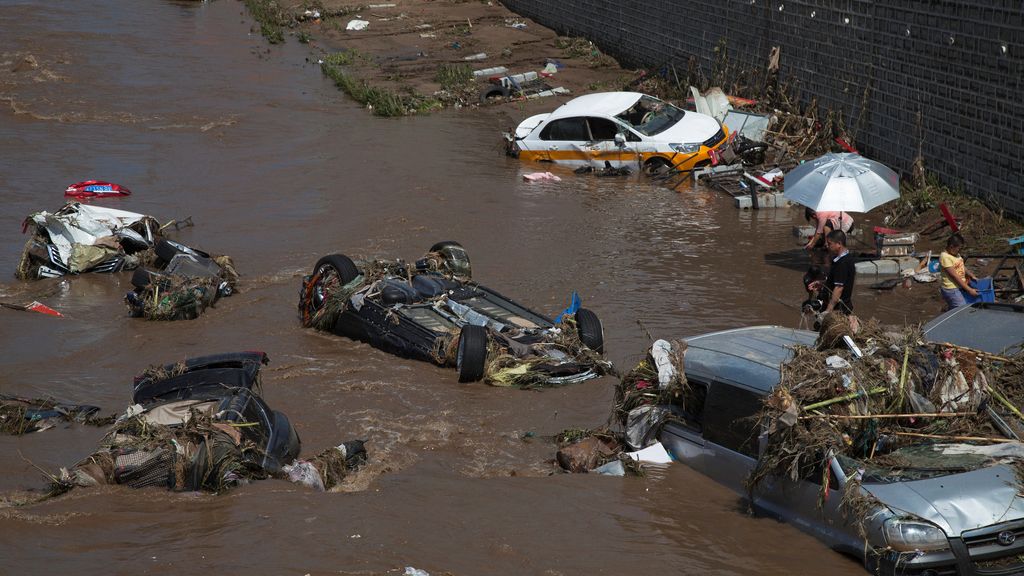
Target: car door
(682, 434)
(604, 150)
(566, 141)
(730, 431)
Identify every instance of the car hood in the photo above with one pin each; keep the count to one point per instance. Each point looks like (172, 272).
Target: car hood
(694, 127)
(958, 502)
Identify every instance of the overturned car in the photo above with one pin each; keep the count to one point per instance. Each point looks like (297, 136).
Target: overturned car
(201, 424)
(434, 311)
(180, 284)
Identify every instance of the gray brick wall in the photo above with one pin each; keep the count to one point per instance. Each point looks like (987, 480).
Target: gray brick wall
(880, 64)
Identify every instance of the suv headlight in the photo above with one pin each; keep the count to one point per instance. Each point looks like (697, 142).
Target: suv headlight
(906, 535)
(685, 148)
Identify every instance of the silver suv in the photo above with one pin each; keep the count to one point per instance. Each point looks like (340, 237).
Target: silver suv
(939, 516)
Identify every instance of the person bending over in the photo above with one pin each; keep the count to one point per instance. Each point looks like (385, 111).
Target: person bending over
(824, 223)
(838, 283)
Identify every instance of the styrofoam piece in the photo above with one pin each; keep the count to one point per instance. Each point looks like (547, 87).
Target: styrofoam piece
(653, 454)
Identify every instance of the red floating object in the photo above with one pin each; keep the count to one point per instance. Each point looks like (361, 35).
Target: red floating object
(95, 189)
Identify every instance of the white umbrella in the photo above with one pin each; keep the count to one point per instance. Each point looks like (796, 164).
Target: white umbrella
(841, 183)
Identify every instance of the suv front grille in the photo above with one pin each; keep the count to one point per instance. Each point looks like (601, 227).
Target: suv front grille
(989, 555)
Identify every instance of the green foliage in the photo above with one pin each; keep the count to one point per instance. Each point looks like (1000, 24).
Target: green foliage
(454, 76)
(271, 17)
(382, 102)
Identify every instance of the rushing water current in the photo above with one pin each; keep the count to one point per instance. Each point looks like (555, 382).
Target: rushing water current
(183, 104)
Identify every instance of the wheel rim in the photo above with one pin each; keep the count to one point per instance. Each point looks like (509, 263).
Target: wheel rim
(327, 279)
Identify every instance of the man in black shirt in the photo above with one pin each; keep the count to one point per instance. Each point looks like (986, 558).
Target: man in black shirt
(841, 275)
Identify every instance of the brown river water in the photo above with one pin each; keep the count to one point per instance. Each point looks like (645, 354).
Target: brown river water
(184, 105)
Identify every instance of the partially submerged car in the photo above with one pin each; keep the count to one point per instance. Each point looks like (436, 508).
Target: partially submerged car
(619, 129)
(84, 238)
(903, 493)
(181, 283)
(201, 424)
(434, 311)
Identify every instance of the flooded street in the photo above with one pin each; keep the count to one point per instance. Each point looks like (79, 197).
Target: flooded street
(181, 103)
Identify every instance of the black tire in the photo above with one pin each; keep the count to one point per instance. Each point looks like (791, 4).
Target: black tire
(472, 356)
(590, 329)
(493, 92)
(437, 247)
(656, 166)
(167, 249)
(331, 265)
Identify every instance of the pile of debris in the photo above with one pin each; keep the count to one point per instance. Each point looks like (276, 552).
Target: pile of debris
(643, 401)
(25, 415)
(885, 401)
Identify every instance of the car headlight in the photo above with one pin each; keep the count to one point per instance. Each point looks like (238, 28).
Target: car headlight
(685, 148)
(906, 535)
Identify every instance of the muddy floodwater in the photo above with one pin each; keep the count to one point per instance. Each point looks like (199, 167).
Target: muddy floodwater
(180, 102)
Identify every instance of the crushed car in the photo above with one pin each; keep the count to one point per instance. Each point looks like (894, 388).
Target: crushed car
(82, 238)
(619, 130)
(433, 310)
(901, 452)
(180, 284)
(202, 425)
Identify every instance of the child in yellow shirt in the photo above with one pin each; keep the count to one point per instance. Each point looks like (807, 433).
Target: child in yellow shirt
(955, 276)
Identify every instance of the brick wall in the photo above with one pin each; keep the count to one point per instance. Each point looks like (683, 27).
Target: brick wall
(955, 64)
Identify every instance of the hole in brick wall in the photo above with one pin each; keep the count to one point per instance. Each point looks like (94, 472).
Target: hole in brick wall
(781, 6)
(813, 13)
(846, 20)
(1004, 48)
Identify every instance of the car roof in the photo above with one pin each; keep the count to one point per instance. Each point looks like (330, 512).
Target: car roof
(606, 103)
(748, 356)
(996, 328)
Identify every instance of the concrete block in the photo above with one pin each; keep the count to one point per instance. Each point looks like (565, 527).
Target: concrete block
(881, 267)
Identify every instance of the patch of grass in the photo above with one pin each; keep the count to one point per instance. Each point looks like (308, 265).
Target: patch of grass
(345, 58)
(383, 102)
(271, 18)
(454, 76)
(304, 37)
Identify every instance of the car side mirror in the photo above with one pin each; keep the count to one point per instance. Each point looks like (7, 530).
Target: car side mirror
(620, 139)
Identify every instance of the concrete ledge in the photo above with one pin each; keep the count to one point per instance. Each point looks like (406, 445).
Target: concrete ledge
(885, 266)
(764, 200)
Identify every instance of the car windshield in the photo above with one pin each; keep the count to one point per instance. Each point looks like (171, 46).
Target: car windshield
(651, 116)
(916, 462)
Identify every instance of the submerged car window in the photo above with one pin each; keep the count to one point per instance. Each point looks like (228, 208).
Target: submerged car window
(566, 129)
(602, 128)
(730, 418)
(651, 116)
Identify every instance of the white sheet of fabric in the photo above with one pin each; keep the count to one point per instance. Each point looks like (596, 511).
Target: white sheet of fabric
(357, 24)
(661, 351)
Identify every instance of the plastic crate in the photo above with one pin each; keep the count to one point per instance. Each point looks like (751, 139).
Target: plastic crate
(986, 292)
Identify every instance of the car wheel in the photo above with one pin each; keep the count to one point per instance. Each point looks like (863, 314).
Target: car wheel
(457, 259)
(472, 355)
(492, 93)
(167, 249)
(656, 166)
(332, 271)
(590, 329)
